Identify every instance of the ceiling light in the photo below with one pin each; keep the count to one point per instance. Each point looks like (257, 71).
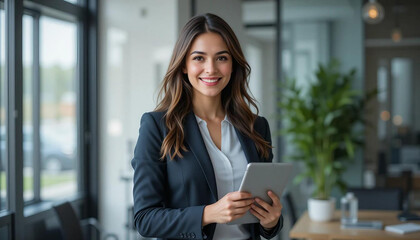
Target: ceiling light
(373, 12)
(396, 35)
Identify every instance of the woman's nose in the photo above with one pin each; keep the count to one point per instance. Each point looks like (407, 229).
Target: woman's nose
(210, 67)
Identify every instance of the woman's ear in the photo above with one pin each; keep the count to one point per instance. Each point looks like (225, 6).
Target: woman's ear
(184, 70)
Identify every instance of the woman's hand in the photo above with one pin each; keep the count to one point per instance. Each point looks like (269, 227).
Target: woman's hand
(232, 206)
(268, 214)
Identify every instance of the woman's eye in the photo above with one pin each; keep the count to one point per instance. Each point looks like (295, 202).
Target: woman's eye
(198, 58)
(222, 58)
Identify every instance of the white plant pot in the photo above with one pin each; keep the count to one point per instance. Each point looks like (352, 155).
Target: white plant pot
(321, 210)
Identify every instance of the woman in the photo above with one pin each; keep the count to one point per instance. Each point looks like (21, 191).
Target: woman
(192, 151)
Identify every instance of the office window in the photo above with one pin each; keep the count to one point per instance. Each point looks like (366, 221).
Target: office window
(49, 109)
(44, 67)
(58, 120)
(3, 128)
(28, 113)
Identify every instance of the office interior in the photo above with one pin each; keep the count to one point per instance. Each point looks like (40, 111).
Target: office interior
(77, 75)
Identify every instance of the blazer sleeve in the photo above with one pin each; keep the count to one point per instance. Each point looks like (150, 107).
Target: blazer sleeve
(151, 217)
(267, 136)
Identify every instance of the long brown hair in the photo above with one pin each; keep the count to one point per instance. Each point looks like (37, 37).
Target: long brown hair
(177, 91)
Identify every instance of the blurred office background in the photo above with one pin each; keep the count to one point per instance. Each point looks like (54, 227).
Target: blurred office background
(77, 75)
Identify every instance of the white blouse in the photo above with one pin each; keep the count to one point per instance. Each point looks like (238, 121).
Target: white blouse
(229, 166)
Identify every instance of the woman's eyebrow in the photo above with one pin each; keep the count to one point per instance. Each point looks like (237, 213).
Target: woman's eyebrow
(203, 53)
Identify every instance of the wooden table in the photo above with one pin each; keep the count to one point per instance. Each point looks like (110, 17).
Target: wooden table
(305, 228)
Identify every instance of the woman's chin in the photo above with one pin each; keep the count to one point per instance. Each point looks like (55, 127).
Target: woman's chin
(209, 94)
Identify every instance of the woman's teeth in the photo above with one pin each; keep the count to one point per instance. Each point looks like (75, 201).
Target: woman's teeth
(210, 80)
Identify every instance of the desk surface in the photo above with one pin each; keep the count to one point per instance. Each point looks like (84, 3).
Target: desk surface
(305, 228)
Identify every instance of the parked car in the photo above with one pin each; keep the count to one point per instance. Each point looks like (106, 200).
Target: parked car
(55, 155)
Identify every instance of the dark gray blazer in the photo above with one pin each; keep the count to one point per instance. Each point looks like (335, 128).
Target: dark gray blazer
(169, 196)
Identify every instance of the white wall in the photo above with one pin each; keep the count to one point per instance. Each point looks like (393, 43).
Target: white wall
(136, 40)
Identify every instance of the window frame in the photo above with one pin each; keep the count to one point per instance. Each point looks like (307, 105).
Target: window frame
(35, 103)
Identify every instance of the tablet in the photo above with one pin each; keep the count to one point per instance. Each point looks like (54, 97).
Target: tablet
(258, 179)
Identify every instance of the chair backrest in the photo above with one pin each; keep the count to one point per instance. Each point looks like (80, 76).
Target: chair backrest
(70, 223)
(378, 198)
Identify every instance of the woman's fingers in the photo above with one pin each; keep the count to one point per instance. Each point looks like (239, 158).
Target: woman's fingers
(237, 213)
(241, 210)
(236, 196)
(232, 206)
(267, 207)
(242, 203)
(238, 200)
(274, 198)
(257, 214)
(262, 212)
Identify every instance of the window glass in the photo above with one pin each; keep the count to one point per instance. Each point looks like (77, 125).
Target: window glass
(58, 130)
(72, 1)
(28, 147)
(405, 137)
(3, 91)
(398, 131)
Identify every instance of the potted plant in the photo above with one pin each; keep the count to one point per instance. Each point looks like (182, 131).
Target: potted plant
(320, 124)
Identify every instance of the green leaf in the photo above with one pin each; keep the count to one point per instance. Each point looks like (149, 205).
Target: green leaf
(349, 147)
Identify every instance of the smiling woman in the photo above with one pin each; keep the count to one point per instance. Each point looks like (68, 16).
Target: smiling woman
(192, 151)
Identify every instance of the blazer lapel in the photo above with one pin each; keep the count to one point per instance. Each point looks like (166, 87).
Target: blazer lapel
(248, 147)
(198, 148)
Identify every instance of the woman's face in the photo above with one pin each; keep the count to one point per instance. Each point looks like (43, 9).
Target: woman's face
(208, 65)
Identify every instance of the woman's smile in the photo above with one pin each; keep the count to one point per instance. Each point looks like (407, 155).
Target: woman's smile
(210, 81)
